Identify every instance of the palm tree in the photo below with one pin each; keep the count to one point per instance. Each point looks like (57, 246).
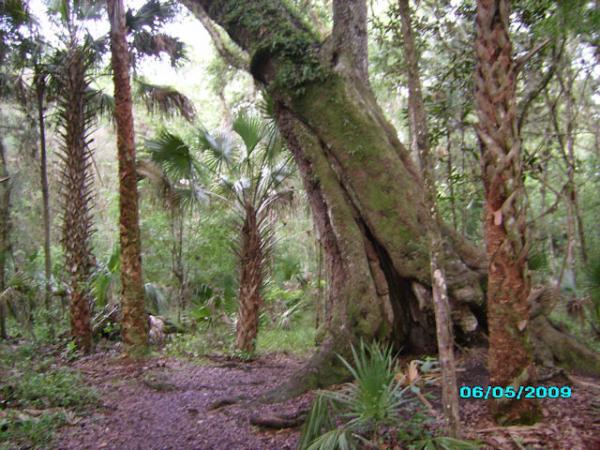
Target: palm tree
(250, 170)
(134, 323)
(78, 105)
(76, 118)
(252, 176)
(176, 173)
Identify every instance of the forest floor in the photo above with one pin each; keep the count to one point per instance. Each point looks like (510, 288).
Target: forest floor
(165, 403)
(169, 403)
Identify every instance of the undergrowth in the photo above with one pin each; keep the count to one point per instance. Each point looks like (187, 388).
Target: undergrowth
(37, 396)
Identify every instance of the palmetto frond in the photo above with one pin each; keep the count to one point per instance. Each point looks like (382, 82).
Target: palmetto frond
(151, 15)
(219, 151)
(251, 130)
(164, 99)
(172, 167)
(155, 44)
(103, 103)
(171, 153)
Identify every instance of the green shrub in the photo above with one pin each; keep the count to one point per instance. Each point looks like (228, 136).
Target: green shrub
(371, 401)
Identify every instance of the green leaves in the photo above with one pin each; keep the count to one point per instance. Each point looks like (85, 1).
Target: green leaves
(372, 400)
(170, 152)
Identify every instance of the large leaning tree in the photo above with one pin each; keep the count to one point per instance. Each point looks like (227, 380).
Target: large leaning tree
(366, 195)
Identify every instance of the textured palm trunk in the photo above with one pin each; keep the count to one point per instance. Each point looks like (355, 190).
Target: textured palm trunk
(134, 323)
(251, 279)
(510, 357)
(77, 192)
(4, 232)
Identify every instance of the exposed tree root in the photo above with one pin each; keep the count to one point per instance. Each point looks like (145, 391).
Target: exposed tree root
(280, 421)
(555, 346)
(226, 401)
(323, 369)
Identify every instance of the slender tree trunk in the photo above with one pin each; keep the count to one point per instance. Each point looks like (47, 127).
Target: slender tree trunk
(510, 358)
(4, 233)
(134, 321)
(40, 85)
(441, 305)
(177, 257)
(450, 175)
(251, 280)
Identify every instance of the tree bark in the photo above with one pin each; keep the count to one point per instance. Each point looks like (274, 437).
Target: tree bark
(77, 189)
(441, 304)
(40, 87)
(350, 37)
(510, 357)
(251, 280)
(4, 233)
(134, 321)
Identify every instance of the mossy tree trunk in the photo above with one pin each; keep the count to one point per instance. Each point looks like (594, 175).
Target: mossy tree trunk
(510, 355)
(134, 321)
(366, 195)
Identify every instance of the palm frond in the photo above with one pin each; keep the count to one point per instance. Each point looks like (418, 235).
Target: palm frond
(218, 151)
(155, 44)
(104, 103)
(251, 129)
(171, 152)
(164, 99)
(151, 15)
(153, 172)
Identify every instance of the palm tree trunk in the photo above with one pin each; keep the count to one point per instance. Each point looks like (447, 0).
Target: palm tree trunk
(510, 358)
(251, 279)
(76, 178)
(134, 321)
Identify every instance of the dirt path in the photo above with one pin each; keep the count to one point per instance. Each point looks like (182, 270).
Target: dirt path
(164, 404)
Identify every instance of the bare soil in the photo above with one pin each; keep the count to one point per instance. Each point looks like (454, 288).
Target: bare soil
(165, 403)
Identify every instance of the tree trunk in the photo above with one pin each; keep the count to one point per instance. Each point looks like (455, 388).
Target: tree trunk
(510, 358)
(441, 305)
(134, 322)
(251, 280)
(4, 233)
(77, 188)
(365, 194)
(40, 85)
(177, 221)
(350, 36)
